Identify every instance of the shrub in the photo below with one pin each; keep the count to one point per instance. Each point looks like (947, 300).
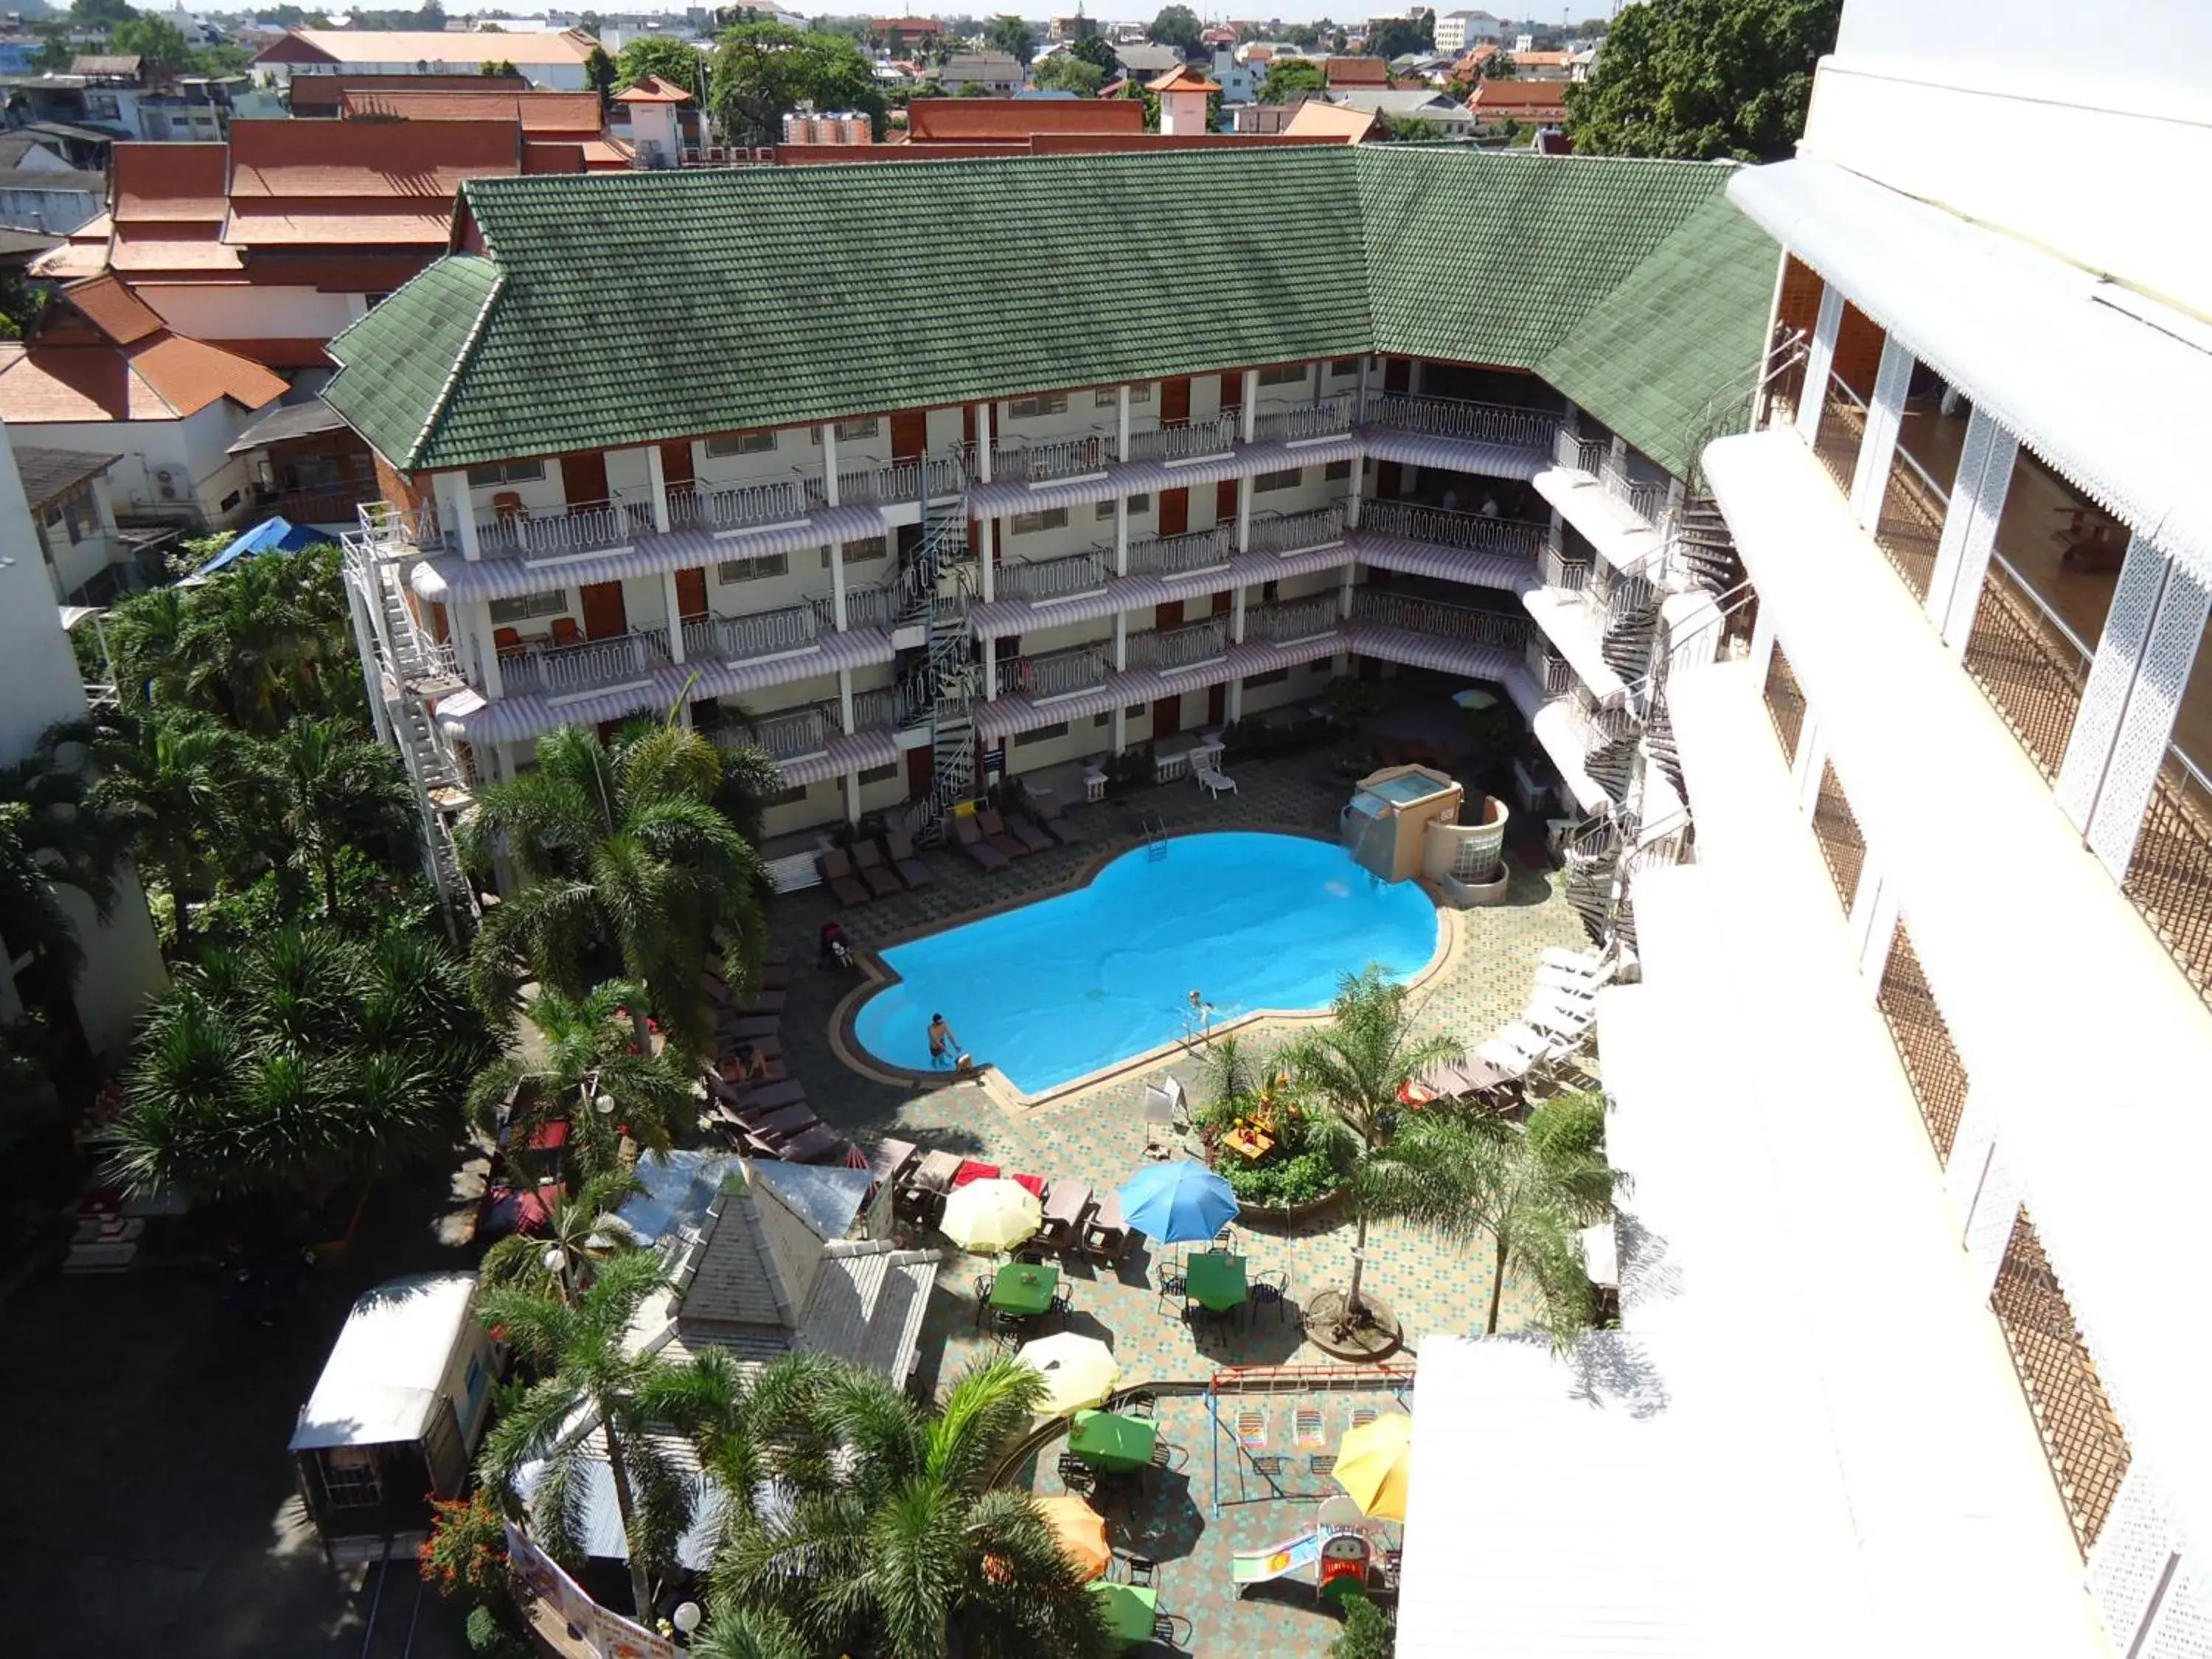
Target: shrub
(1279, 1182)
(466, 1549)
(1367, 1634)
(490, 1639)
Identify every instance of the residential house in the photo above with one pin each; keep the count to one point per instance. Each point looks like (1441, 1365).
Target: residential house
(100, 373)
(1313, 118)
(902, 36)
(19, 54)
(1458, 30)
(1239, 82)
(1532, 103)
(1143, 61)
(658, 123)
(1184, 95)
(1349, 72)
(40, 192)
(552, 60)
(73, 510)
(304, 464)
(1450, 116)
(1154, 552)
(325, 95)
(996, 72)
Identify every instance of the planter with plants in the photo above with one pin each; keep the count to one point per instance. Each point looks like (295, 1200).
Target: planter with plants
(1263, 1142)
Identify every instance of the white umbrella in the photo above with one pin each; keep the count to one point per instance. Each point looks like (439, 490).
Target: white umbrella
(991, 1215)
(1078, 1371)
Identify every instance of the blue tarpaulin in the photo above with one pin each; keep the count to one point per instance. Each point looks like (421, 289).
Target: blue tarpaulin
(270, 536)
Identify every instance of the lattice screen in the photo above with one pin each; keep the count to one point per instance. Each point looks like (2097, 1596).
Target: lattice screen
(1785, 703)
(1922, 1039)
(1838, 832)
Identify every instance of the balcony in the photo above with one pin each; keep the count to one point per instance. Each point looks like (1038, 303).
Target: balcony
(737, 506)
(1042, 580)
(1645, 497)
(1180, 555)
(921, 478)
(1296, 532)
(764, 633)
(1476, 533)
(587, 527)
(1329, 418)
(885, 706)
(1170, 444)
(556, 671)
(1055, 673)
(790, 734)
(1500, 424)
(1382, 608)
(1558, 570)
(874, 605)
(1053, 458)
(1548, 668)
(1291, 620)
(1168, 650)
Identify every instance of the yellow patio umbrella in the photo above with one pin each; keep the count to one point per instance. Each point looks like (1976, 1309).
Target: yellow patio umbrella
(1079, 1530)
(1373, 1461)
(991, 1215)
(1078, 1371)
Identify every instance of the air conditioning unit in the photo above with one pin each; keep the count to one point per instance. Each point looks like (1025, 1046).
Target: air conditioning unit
(165, 480)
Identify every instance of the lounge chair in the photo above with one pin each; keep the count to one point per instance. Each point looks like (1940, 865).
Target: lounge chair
(836, 867)
(994, 831)
(815, 1145)
(868, 859)
(1030, 835)
(912, 871)
(1064, 830)
(970, 835)
(1216, 783)
(1519, 1047)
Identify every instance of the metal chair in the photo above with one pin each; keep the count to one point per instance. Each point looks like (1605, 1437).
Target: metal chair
(1140, 1404)
(1143, 1573)
(1063, 1305)
(1173, 1284)
(1077, 1476)
(1274, 1287)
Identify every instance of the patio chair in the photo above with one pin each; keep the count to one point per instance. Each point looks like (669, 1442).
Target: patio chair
(507, 642)
(1143, 1572)
(1143, 1403)
(1063, 1305)
(1063, 828)
(836, 867)
(912, 871)
(994, 831)
(970, 835)
(868, 859)
(1030, 835)
(1166, 1629)
(1274, 1287)
(1214, 782)
(1173, 1284)
(565, 631)
(1077, 1476)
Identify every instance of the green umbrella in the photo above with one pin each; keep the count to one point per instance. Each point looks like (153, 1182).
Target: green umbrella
(1129, 1610)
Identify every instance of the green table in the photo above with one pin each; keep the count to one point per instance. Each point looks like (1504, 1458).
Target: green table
(1113, 1442)
(1025, 1289)
(1216, 1280)
(1130, 1610)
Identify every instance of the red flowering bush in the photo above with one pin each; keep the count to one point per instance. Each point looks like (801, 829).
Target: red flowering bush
(466, 1549)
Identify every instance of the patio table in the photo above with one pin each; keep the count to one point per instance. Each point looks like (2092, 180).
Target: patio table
(1024, 1289)
(1112, 1442)
(1129, 1611)
(1216, 1280)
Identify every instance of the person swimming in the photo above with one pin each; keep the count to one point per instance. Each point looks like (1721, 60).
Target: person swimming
(942, 1042)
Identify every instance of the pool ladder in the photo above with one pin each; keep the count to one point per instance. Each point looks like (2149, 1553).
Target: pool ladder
(1155, 837)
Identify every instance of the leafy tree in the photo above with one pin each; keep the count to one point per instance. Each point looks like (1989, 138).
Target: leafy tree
(30, 1056)
(1097, 51)
(586, 1055)
(302, 1060)
(890, 1542)
(1528, 1192)
(763, 71)
(224, 58)
(178, 784)
(619, 851)
(1289, 79)
(675, 61)
(1696, 80)
(584, 1364)
(1500, 66)
(100, 14)
(1410, 130)
(156, 39)
(590, 23)
(600, 72)
(1177, 27)
(1396, 37)
(55, 54)
(1065, 72)
(974, 90)
(331, 789)
(1355, 1070)
(1010, 35)
(581, 1227)
(1367, 1634)
(496, 66)
(52, 836)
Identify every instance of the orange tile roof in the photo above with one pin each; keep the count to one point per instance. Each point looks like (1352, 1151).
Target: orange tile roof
(336, 224)
(172, 184)
(553, 157)
(164, 377)
(360, 160)
(321, 94)
(1519, 97)
(997, 120)
(653, 90)
(1356, 71)
(541, 113)
(199, 258)
(423, 46)
(606, 155)
(115, 310)
(69, 261)
(1314, 120)
(189, 375)
(1182, 78)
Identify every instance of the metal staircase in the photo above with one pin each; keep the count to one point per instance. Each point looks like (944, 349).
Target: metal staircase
(1593, 860)
(941, 689)
(1632, 612)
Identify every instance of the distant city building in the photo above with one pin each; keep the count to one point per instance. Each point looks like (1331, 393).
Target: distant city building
(1458, 30)
(555, 60)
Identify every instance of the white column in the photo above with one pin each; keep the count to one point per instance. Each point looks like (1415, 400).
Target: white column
(837, 583)
(1984, 1192)
(1352, 494)
(1970, 529)
(829, 430)
(1359, 410)
(1873, 920)
(1808, 763)
(1762, 645)
(1249, 414)
(990, 670)
(1877, 443)
(1244, 514)
(1120, 663)
(1122, 422)
(845, 700)
(656, 483)
(984, 561)
(1237, 616)
(1344, 590)
(1120, 535)
(1820, 358)
(983, 416)
(472, 622)
(2151, 638)
(451, 491)
(675, 619)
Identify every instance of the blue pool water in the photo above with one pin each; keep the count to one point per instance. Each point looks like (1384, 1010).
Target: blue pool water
(1054, 990)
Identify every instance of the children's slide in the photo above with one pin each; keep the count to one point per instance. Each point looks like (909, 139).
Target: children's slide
(1292, 1555)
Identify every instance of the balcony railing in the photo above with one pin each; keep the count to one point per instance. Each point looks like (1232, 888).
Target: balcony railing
(1053, 458)
(691, 506)
(1055, 674)
(1576, 452)
(1911, 522)
(884, 705)
(795, 733)
(1478, 532)
(2028, 663)
(1558, 570)
(868, 606)
(1548, 668)
(558, 669)
(1452, 622)
(1453, 417)
(899, 480)
(580, 529)
(1176, 555)
(1181, 443)
(1054, 579)
(1645, 497)
(2170, 877)
(1293, 619)
(1325, 419)
(1843, 424)
(762, 634)
(1166, 650)
(1294, 532)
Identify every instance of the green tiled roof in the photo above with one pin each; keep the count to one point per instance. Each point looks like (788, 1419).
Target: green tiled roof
(1684, 324)
(634, 308)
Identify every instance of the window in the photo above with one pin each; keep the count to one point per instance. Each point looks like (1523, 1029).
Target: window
(501, 472)
(1106, 396)
(849, 431)
(553, 602)
(230, 500)
(1137, 504)
(1337, 471)
(1136, 711)
(1105, 509)
(1042, 734)
(1287, 479)
(1288, 374)
(1270, 592)
(1106, 719)
(741, 443)
(1030, 409)
(754, 569)
(863, 551)
(786, 797)
(1140, 394)
(880, 773)
(349, 1478)
(1053, 518)
(1272, 676)
(1343, 367)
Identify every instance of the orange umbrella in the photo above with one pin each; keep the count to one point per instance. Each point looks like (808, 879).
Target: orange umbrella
(1080, 1531)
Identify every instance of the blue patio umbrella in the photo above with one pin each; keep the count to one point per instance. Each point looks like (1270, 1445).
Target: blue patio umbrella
(1177, 1202)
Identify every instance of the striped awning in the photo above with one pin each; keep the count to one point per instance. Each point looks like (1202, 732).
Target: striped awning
(448, 576)
(1004, 617)
(859, 751)
(1001, 498)
(1452, 455)
(514, 720)
(1451, 564)
(1412, 650)
(1009, 715)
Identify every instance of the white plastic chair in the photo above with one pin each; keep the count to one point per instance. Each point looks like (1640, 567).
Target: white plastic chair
(1215, 783)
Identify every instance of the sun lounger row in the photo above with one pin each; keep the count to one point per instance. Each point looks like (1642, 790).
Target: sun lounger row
(991, 842)
(1075, 1221)
(1561, 1010)
(870, 871)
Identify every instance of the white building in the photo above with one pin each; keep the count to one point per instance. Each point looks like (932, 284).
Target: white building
(1458, 30)
(552, 60)
(1445, 113)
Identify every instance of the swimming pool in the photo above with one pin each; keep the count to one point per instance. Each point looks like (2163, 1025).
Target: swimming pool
(1054, 990)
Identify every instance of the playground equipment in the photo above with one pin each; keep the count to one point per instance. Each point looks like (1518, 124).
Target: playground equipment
(1339, 1545)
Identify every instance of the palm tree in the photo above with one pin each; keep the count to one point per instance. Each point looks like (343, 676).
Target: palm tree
(588, 1378)
(301, 1059)
(175, 781)
(618, 849)
(1527, 1191)
(335, 787)
(145, 638)
(1356, 1069)
(52, 835)
(590, 1057)
(269, 639)
(582, 1226)
(734, 1630)
(879, 1534)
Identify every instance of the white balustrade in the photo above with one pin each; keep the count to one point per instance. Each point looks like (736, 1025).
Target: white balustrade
(1168, 649)
(569, 530)
(1052, 458)
(1055, 674)
(708, 508)
(1324, 419)
(1179, 443)
(1478, 532)
(1454, 622)
(1293, 619)
(558, 670)
(1054, 579)
(1173, 555)
(1475, 422)
(1292, 532)
(762, 634)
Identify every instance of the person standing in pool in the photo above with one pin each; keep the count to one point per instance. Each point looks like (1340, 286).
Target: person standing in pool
(942, 1042)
